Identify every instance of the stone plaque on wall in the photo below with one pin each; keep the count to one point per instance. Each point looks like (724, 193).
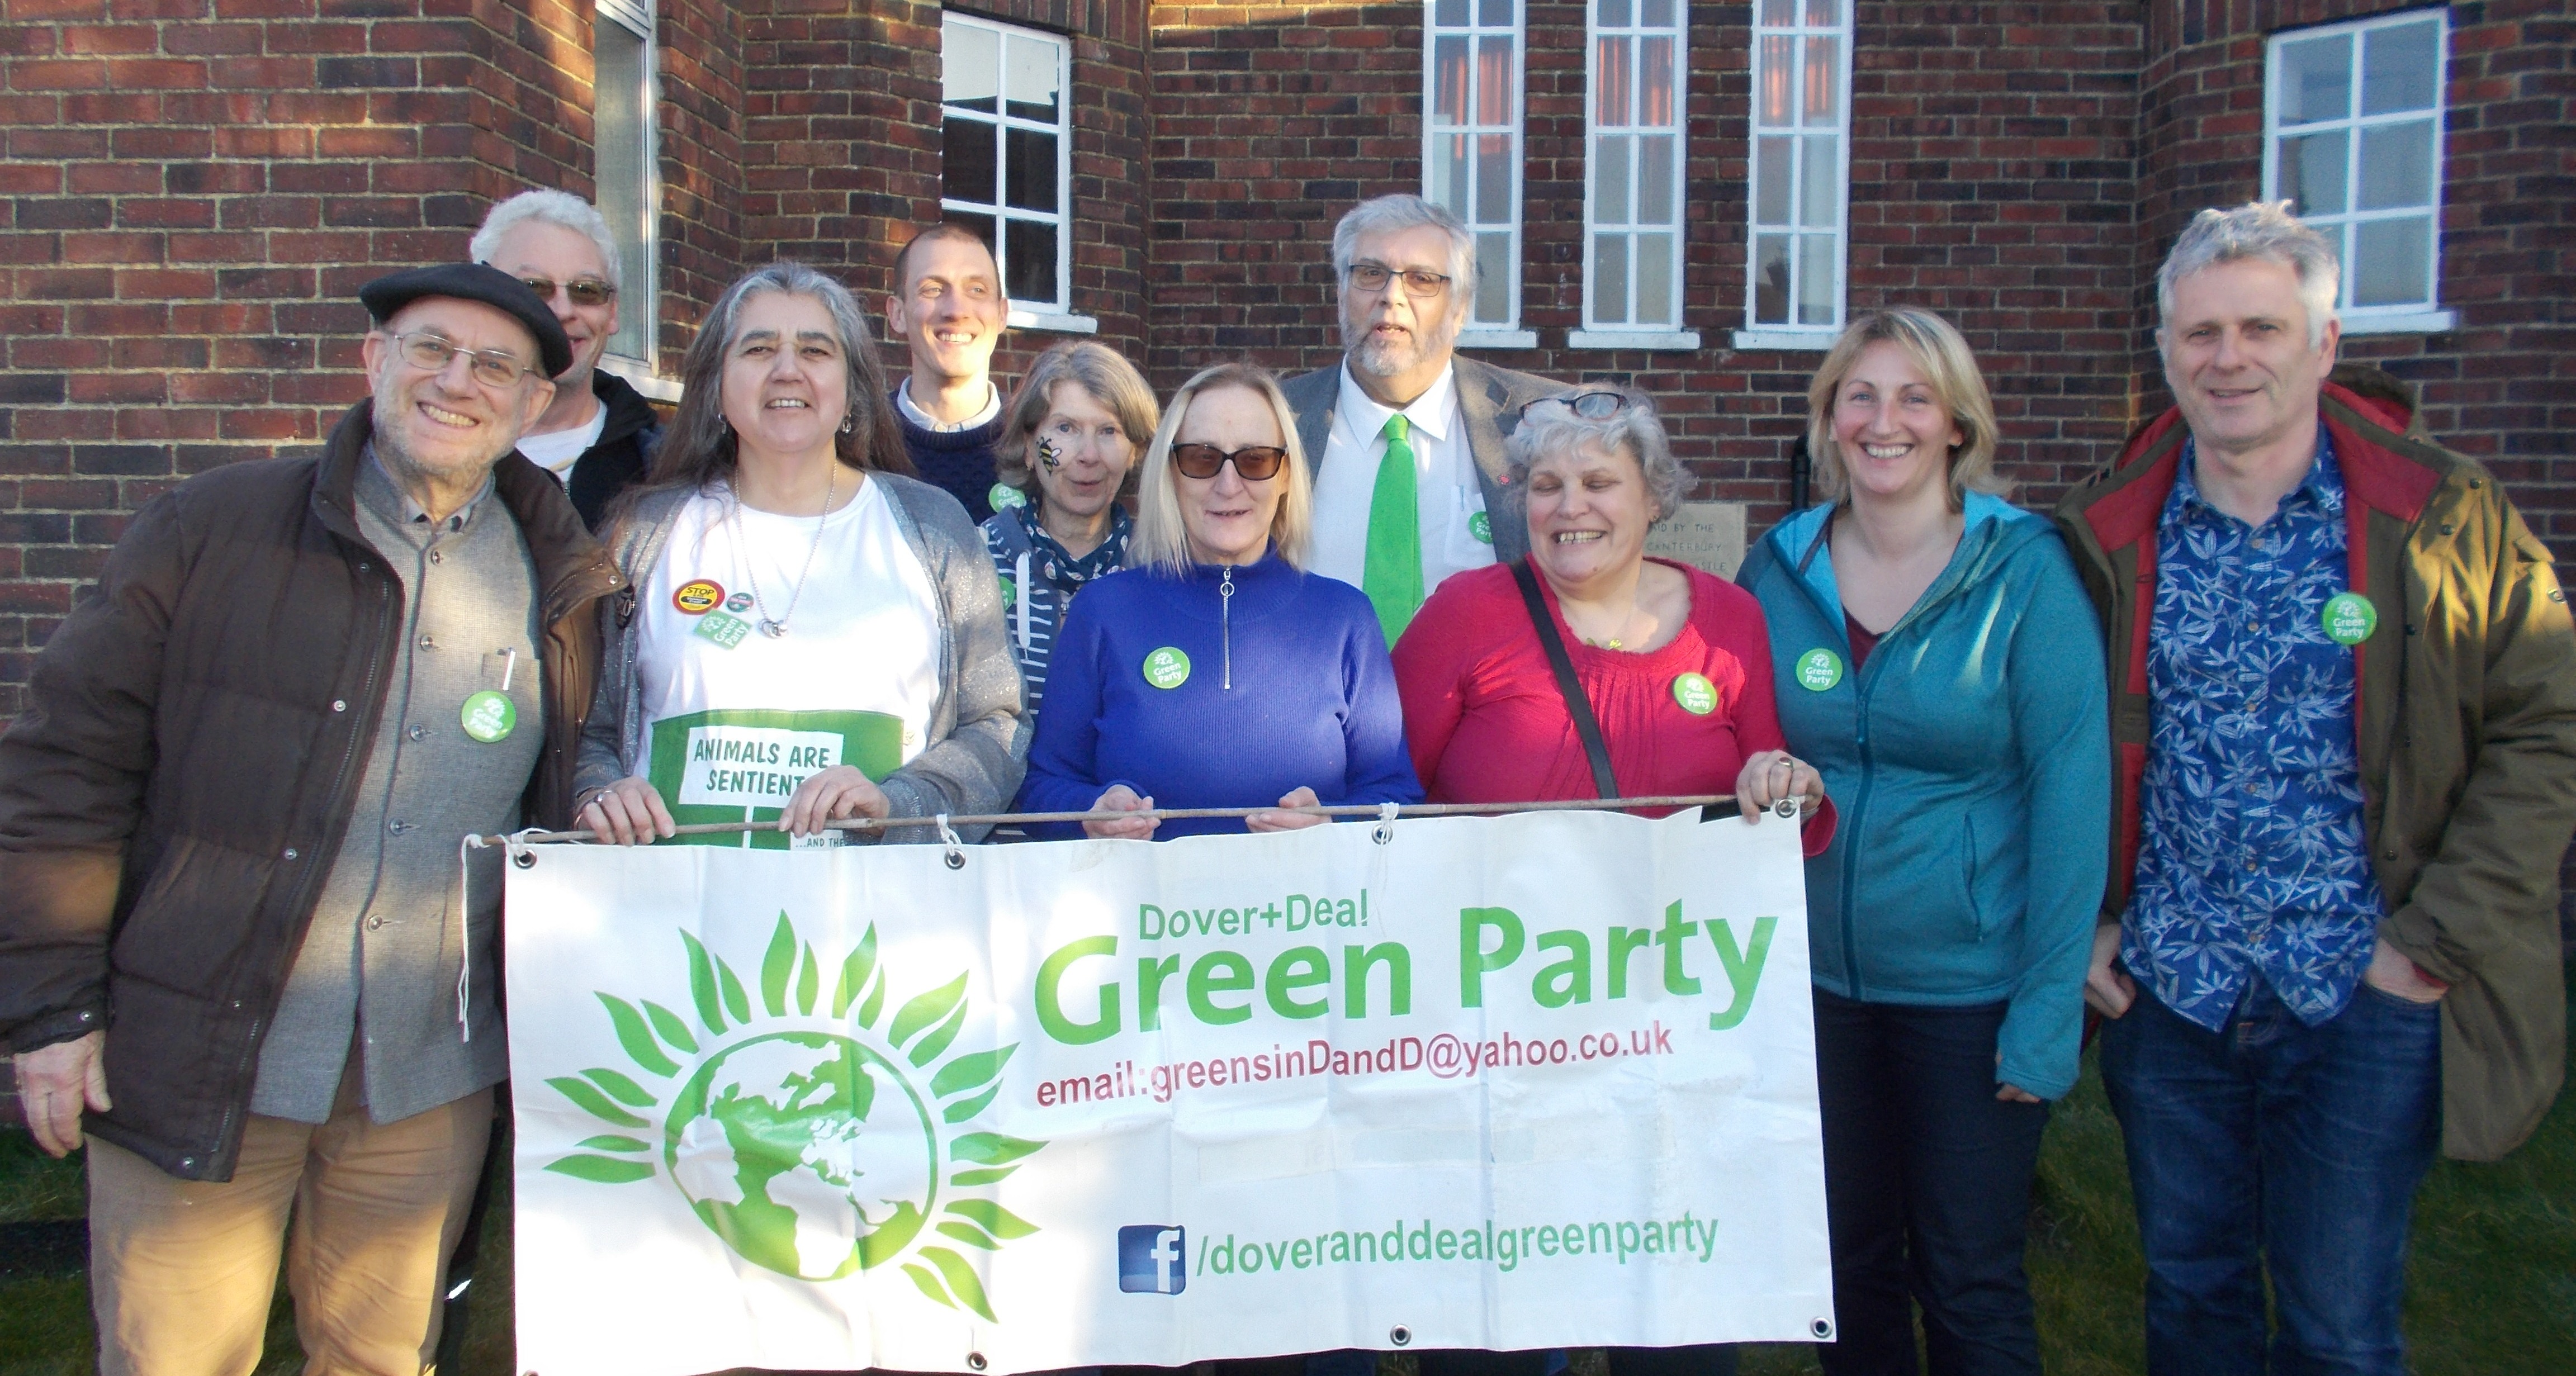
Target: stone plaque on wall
(1706, 535)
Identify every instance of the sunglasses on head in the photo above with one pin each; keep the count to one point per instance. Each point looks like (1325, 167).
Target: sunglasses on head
(1593, 405)
(1253, 462)
(584, 291)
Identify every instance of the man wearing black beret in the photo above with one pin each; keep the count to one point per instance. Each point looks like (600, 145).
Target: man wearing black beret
(236, 954)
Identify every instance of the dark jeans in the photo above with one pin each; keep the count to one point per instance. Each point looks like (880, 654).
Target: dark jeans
(2275, 1142)
(1927, 1190)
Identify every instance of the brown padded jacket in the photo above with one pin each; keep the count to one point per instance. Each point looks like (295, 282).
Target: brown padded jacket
(2466, 717)
(196, 730)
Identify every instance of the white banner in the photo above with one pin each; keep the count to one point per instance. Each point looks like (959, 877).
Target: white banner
(1534, 1081)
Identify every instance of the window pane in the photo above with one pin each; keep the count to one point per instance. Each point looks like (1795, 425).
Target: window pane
(2316, 79)
(1450, 14)
(1449, 81)
(1613, 87)
(1655, 14)
(1494, 278)
(1610, 279)
(1494, 79)
(1655, 180)
(1772, 159)
(2396, 166)
(2312, 173)
(1824, 14)
(1823, 72)
(1614, 14)
(1779, 13)
(1771, 279)
(621, 119)
(1449, 173)
(1493, 179)
(1497, 14)
(1654, 279)
(970, 68)
(1031, 169)
(1028, 270)
(1772, 107)
(1655, 82)
(1816, 279)
(2392, 262)
(2398, 70)
(1031, 80)
(1819, 208)
(967, 162)
(1610, 179)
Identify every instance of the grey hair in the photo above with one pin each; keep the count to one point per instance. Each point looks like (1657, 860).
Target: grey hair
(553, 208)
(1547, 432)
(2264, 230)
(1395, 214)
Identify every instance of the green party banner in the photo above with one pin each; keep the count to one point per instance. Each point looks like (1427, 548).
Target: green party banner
(1531, 1081)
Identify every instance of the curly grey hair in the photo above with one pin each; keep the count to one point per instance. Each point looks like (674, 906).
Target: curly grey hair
(1548, 430)
(2263, 230)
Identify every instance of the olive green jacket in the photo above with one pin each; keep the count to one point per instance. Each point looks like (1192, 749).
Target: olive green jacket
(2466, 714)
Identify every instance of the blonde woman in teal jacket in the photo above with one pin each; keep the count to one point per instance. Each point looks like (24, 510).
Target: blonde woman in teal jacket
(1940, 665)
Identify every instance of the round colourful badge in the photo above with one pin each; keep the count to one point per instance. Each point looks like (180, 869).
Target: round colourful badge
(1481, 526)
(698, 596)
(489, 716)
(1819, 669)
(2350, 618)
(1004, 496)
(1167, 668)
(1696, 694)
(1010, 593)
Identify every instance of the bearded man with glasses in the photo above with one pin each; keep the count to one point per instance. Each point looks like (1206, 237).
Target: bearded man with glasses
(599, 433)
(1406, 271)
(237, 956)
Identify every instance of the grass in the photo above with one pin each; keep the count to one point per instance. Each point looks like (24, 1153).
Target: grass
(2491, 1287)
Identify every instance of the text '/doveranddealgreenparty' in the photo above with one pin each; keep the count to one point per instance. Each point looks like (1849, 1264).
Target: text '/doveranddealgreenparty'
(1080, 1003)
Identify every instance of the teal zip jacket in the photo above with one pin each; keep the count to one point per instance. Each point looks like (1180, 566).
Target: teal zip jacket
(1970, 759)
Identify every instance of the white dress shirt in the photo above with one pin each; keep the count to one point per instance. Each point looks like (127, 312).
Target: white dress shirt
(903, 403)
(1444, 477)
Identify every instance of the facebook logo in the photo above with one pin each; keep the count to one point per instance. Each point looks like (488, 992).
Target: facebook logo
(1153, 1258)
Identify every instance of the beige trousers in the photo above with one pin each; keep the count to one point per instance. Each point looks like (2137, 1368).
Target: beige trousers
(182, 1272)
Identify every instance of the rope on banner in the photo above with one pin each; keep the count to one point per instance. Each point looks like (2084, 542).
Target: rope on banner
(1386, 814)
(516, 844)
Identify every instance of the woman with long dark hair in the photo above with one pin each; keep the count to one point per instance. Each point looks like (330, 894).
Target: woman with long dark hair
(808, 634)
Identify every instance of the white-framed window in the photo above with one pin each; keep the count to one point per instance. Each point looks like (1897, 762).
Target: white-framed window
(1006, 167)
(1471, 148)
(1632, 203)
(1794, 271)
(627, 178)
(2352, 122)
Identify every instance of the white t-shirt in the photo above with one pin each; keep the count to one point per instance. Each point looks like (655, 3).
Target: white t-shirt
(1452, 501)
(557, 451)
(739, 718)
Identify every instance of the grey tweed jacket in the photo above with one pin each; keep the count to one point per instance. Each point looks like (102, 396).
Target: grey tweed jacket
(979, 731)
(1490, 399)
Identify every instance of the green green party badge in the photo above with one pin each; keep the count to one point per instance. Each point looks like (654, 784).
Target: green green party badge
(1167, 668)
(725, 630)
(490, 716)
(1010, 593)
(1819, 669)
(1481, 526)
(1004, 496)
(1696, 694)
(2350, 618)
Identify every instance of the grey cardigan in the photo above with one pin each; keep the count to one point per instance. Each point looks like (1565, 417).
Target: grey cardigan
(979, 732)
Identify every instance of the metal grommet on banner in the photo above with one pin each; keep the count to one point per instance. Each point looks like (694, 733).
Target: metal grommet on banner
(1822, 1328)
(975, 1361)
(956, 859)
(1399, 1335)
(1786, 807)
(1385, 829)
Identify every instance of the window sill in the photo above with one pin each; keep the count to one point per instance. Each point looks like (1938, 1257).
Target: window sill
(1787, 341)
(2401, 322)
(1497, 339)
(1054, 322)
(1632, 339)
(639, 375)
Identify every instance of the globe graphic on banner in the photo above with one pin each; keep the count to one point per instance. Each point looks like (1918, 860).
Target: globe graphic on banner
(808, 1153)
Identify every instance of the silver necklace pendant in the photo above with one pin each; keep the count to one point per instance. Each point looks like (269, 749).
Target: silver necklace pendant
(775, 630)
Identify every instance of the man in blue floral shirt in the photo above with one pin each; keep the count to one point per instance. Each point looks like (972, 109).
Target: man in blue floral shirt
(2344, 722)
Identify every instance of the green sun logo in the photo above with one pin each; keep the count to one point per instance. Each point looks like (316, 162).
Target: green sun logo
(813, 1145)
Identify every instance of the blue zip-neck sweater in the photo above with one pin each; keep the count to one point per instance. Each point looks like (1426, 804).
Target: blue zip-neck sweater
(1287, 685)
(1970, 758)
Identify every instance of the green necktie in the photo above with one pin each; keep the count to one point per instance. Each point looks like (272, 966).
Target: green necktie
(1392, 577)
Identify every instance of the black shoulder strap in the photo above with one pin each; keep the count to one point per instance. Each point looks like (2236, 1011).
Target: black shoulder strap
(1576, 704)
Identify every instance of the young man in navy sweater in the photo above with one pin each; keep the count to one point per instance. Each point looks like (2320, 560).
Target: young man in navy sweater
(949, 307)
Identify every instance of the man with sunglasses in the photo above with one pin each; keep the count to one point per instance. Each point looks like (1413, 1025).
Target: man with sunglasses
(237, 956)
(599, 434)
(1407, 275)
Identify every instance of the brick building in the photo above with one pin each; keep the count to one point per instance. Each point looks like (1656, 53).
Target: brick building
(1690, 196)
